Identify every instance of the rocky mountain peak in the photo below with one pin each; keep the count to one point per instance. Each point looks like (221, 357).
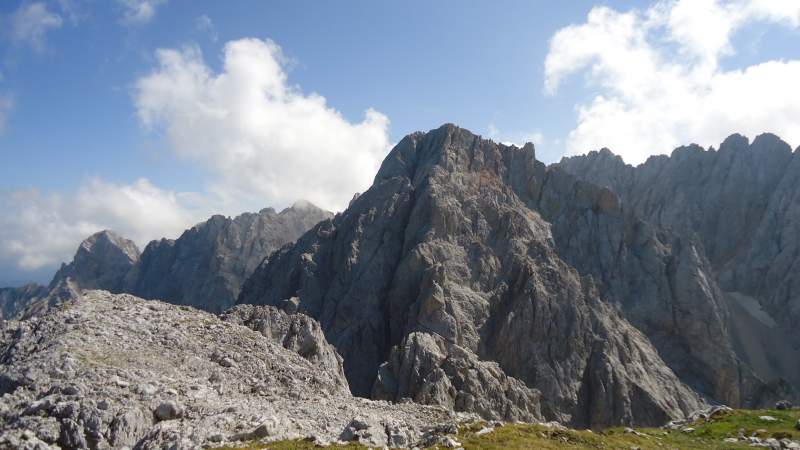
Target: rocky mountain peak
(444, 278)
(101, 262)
(735, 141)
(770, 142)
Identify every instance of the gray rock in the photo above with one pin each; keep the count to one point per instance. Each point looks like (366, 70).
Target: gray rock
(783, 405)
(127, 427)
(294, 331)
(101, 262)
(429, 370)
(168, 410)
(206, 266)
(452, 241)
(119, 345)
(71, 435)
(739, 204)
(226, 362)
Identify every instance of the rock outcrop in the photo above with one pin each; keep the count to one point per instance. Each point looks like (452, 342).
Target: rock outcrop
(445, 282)
(740, 207)
(297, 332)
(114, 371)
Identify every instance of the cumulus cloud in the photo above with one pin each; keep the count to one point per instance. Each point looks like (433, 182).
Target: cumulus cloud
(137, 12)
(31, 22)
(264, 140)
(44, 229)
(659, 80)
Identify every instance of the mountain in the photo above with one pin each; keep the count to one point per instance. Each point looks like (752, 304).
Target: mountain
(741, 204)
(463, 278)
(205, 267)
(470, 277)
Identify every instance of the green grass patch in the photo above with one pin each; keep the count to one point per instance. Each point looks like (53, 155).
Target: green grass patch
(707, 435)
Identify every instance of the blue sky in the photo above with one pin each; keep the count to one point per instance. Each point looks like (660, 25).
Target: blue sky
(93, 118)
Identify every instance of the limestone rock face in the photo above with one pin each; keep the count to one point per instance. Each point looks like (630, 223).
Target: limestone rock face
(427, 369)
(207, 265)
(101, 262)
(449, 265)
(114, 371)
(738, 208)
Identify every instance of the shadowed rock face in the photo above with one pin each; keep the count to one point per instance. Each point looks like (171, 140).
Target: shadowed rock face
(740, 205)
(207, 265)
(14, 300)
(445, 283)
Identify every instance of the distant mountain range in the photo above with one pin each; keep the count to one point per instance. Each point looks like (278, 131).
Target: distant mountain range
(205, 267)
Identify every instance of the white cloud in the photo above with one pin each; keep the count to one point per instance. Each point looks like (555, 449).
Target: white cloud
(40, 230)
(137, 12)
(6, 105)
(659, 82)
(31, 22)
(265, 141)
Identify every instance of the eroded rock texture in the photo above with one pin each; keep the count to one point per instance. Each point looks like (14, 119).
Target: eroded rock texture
(114, 371)
(448, 282)
(738, 207)
(207, 265)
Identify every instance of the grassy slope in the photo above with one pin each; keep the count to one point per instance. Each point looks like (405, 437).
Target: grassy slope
(706, 436)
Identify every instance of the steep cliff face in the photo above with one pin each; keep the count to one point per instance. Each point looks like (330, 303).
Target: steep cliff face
(444, 283)
(740, 205)
(661, 282)
(206, 266)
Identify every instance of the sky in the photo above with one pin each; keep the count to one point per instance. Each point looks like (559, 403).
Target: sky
(148, 116)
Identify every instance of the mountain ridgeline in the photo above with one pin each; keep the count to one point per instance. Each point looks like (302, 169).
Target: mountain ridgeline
(204, 268)
(741, 204)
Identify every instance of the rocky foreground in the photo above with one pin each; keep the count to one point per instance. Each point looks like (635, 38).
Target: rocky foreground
(115, 371)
